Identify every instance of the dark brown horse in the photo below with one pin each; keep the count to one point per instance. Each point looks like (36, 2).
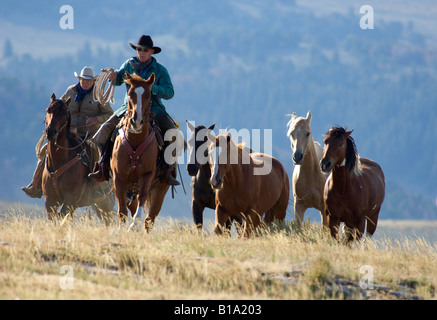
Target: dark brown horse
(68, 163)
(247, 185)
(355, 189)
(135, 156)
(202, 194)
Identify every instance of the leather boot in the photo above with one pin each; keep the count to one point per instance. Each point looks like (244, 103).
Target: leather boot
(170, 173)
(102, 168)
(34, 189)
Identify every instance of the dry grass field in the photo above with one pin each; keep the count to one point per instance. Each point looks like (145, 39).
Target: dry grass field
(86, 260)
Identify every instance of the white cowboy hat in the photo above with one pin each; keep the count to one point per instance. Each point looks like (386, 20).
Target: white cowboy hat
(86, 73)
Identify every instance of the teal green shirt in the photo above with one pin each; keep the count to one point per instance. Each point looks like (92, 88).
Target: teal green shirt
(161, 89)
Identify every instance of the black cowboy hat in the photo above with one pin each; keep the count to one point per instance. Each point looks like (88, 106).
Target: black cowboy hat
(145, 42)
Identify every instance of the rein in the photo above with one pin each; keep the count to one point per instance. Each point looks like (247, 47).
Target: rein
(74, 148)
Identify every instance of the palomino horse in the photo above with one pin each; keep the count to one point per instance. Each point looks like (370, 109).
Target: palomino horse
(355, 189)
(135, 156)
(68, 163)
(247, 185)
(202, 194)
(308, 179)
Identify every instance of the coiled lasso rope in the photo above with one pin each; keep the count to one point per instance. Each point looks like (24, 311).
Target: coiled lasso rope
(99, 93)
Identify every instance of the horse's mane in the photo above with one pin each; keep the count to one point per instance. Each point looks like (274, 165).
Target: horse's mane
(352, 156)
(243, 150)
(289, 127)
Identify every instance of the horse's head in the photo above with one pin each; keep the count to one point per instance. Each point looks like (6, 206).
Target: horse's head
(339, 150)
(197, 147)
(299, 133)
(140, 95)
(57, 117)
(220, 153)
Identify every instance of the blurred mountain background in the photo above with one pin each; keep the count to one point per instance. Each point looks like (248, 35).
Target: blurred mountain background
(242, 64)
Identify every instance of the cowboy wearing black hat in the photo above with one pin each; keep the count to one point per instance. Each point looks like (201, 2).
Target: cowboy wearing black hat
(143, 65)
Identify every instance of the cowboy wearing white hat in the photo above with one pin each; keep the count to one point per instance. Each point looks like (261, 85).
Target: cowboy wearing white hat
(86, 73)
(86, 118)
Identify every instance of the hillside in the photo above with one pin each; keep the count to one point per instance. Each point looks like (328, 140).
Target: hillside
(242, 64)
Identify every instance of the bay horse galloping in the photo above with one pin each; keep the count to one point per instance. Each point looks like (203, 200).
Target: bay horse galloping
(308, 179)
(247, 185)
(68, 162)
(355, 189)
(202, 194)
(135, 157)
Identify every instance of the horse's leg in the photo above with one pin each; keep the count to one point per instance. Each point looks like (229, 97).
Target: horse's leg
(143, 193)
(253, 220)
(323, 218)
(120, 194)
(197, 211)
(334, 224)
(51, 209)
(269, 217)
(103, 212)
(356, 232)
(137, 214)
(221, 216)
(106, 208)
(157, 196)
(372, 221)
(133, 206)
(67, 212)
(228, 225)
(279, 210)
(238, 222)
(299, 211)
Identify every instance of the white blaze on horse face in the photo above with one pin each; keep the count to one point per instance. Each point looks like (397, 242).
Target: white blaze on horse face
(138, 109)
(215, 156)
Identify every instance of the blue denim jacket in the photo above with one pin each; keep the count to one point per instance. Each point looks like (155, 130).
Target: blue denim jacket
(161, 89)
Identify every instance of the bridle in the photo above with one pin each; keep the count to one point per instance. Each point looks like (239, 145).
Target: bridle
(62, 127)
(129, 116)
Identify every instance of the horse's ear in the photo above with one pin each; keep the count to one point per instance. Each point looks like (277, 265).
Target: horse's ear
(151, 79)
(190, 126)
(67, 102)
(308, 118)
(52, 98)
(347, 134)
(210, 136)
(293, 116)
(211, 127)
(128, 76)
(228, 137)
